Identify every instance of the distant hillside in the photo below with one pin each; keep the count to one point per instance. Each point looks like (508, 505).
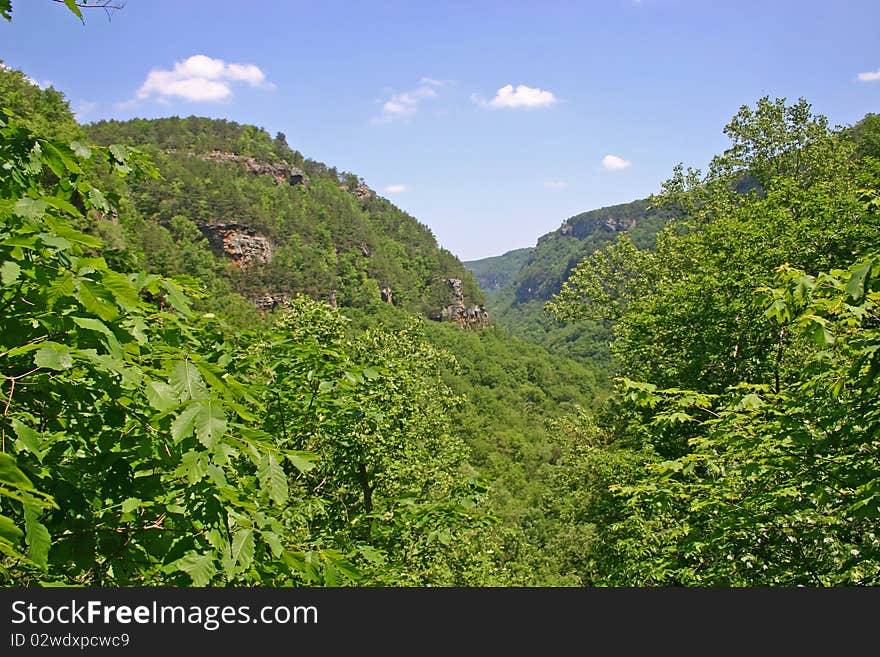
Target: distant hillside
(496, 272)
(557, 253)
(251, 216)
(518, 283)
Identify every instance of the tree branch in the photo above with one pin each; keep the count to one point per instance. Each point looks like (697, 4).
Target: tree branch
(106, 5)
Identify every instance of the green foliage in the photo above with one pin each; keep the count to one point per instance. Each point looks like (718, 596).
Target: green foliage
(44, 111)
(687, 310)
(157, 430)
(518, 283)
(326, 242)
(496, 272)
(745, 345)
(143, 443)
(777, 488)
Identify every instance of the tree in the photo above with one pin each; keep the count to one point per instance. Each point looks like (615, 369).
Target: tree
(744, 348)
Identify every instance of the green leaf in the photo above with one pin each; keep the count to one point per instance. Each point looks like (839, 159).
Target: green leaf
(98, 200)
(217, 540)
(174, 295)
(183, 424)
(216, 475)
(92, 324)
(71, 4)
(273, 479)
(65, 206)
(302, 461)
(818, 331)
(55, 241)
(119, 151)
(241, 552)
(194, 465)
(123, 291)
(59, 159)
(54, 357)
(130, 504)
(6, 9)
(11, 475)
(93, 297)
(210, 423)
(28, 438)
(139, 330)
(161, 396)
(81, 150)
(223, 453)
(31, 208)
(76, 236)
(274, 542)
(750, 402)
(372, 555)
(200, 567)
(9, 530)
(36, 536)
(60, 286)
(187, 383)
(855, 287)
(9, 272)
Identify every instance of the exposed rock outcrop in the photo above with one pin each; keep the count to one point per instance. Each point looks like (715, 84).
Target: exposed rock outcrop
(269, 301)
(467, 316)
(363, 193)
(589, 223)
(282, 172)
(238, 242)
(620, 223)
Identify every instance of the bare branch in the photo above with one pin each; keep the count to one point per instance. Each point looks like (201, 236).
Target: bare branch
(106, 5)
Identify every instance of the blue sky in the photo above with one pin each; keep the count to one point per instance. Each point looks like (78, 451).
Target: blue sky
(490, 122)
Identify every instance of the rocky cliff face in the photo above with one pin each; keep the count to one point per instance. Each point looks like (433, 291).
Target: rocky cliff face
(238, 243)
(269, 301)
(282, 172)
(615, 219)
(467, 316)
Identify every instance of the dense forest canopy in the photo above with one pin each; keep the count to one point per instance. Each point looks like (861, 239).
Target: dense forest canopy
(222, 363)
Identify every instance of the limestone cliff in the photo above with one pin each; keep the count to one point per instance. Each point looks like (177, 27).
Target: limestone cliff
(281, 171)
(238, 243)
(473, 316)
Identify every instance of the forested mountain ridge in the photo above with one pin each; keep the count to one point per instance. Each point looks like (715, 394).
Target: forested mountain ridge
(517, 284)
(154, 433)
(243, 210)
(740, 447)
(496, 272)
(301, 446)
(536, 273)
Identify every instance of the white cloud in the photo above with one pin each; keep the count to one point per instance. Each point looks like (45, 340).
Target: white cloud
(82, 108)
(519, 97)
(556, 184)
(200, 78)
(870, 76)
(396, 189)
(615, 163)
(407, 103)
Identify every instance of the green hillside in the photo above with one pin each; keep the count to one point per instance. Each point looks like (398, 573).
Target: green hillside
(169, 268)
(496, 273)
(243, 212)
(519, 283)
(221, 365)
